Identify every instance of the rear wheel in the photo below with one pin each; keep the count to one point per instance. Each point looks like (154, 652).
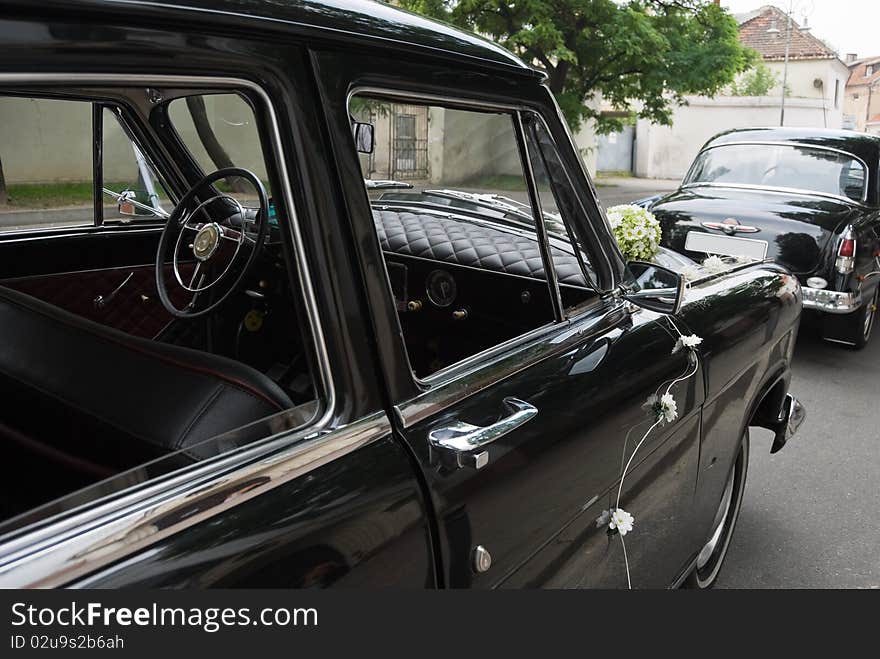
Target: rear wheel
(712, 554)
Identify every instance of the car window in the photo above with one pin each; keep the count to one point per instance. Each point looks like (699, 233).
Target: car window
(781, 166)
(45, 163)
(219, 131)
(451, 208)
(126, 172)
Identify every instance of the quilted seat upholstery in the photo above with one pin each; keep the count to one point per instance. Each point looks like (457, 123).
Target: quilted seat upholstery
(455, 240)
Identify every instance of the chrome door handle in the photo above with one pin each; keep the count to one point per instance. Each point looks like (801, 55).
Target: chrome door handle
(465, 440)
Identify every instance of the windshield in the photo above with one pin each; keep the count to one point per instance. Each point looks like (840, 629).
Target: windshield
(781, 166)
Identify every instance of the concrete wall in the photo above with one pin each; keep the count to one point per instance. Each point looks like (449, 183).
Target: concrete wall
(856, 108)
(462, 147)
(667, 151)
(801, 77)
(476, 146)
(48, 141)
(43, 141)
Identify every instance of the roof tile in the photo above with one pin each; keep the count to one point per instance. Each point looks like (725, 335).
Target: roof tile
(753, 32)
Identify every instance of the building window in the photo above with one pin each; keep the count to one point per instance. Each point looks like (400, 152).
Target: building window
(836, 93)
(869, 70)
(855, 97)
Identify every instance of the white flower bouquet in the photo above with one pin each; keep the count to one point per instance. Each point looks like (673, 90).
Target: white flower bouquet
(636, 230)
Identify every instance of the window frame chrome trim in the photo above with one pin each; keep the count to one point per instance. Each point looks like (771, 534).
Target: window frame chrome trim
(770, 188)
(60, 560)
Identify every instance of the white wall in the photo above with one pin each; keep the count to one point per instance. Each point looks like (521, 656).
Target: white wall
(802, 75)
(47, 141)
(667, 151)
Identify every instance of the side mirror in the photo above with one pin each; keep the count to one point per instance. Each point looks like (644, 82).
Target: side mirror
(125, 202)
(363, 137)
(654, 287)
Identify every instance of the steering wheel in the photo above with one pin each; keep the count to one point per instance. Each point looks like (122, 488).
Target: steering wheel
(216, 244)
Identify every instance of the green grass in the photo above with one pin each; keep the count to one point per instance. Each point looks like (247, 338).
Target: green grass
(53, 195)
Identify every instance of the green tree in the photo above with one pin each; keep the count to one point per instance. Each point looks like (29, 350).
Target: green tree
(757, 81)
(641, 56)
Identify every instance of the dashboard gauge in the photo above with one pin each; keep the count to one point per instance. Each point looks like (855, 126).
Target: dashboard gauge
(441, 288)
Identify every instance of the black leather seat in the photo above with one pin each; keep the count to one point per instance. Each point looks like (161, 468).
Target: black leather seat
(104, 401)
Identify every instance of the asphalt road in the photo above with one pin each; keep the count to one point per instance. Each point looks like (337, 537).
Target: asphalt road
(811, 513)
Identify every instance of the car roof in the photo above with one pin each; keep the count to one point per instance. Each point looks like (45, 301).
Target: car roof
(863, 145)
(349, 21)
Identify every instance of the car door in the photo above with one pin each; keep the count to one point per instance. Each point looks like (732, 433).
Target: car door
(567, 408)
(558, 403)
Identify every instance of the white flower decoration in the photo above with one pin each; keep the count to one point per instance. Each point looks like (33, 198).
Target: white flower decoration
(714, 265)
(690, 342)
(621, 521)
(614, 219)
(690, 273)
(668, 410)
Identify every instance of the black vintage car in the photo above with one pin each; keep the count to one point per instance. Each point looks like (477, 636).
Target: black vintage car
(807, 198)
(225, 361)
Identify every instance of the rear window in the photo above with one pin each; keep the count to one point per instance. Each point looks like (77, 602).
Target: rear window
(785, 166)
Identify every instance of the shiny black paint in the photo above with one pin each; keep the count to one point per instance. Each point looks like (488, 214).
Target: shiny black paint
(390, 513)
(803, 231)
(359, 521)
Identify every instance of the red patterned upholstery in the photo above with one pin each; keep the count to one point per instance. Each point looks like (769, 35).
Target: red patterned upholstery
(135, 310)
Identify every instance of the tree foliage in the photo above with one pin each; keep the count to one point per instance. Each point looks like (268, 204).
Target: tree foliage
(640, 56)
(757, 81)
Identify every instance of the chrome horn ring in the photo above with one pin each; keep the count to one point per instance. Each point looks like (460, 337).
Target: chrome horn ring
(206, 243)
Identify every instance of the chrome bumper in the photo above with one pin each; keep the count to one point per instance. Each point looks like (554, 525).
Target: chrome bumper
(821, 299)
(793, 415)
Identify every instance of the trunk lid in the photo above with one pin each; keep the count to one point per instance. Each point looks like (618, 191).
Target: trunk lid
(796, 227)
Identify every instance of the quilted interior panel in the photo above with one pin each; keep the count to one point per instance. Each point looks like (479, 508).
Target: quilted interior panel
(135, 310)
(465, 243)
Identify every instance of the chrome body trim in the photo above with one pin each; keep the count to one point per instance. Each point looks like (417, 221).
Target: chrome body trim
(769, 188)
(55, 551)
(72, 547)
(791, 417)
(822, 299)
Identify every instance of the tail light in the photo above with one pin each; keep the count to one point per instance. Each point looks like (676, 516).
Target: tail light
(846, 252)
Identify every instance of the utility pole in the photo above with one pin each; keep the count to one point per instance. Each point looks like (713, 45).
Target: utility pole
(785, 66)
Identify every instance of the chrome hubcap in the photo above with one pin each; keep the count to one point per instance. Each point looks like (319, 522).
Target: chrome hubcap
(720, 517)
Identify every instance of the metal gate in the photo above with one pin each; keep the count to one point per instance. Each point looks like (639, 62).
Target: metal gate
(409, 142)
(615, 151)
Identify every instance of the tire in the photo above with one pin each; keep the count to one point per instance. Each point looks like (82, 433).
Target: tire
(712, 554)
(860, 324)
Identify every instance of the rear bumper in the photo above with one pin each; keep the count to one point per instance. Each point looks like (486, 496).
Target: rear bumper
(791, 418)
(822, 299)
